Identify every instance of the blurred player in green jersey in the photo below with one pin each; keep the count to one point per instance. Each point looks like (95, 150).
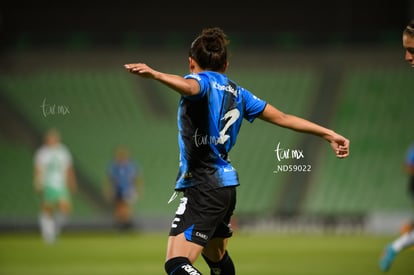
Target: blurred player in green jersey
(54, 180)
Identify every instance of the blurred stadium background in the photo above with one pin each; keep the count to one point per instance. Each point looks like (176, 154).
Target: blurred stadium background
(340, 64)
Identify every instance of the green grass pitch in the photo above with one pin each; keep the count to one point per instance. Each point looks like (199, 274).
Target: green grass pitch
(113, 253)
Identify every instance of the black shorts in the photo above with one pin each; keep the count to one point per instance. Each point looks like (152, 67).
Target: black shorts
(204, 214)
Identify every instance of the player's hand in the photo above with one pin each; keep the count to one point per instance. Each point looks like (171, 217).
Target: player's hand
(141, 69)
(340, 145)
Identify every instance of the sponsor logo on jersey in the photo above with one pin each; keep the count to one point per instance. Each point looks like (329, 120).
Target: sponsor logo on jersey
(226, 88)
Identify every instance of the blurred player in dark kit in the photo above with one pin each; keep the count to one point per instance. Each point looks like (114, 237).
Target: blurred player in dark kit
(125, 183)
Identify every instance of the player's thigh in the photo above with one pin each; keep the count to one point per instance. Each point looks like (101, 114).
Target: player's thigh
(179, 246)
(215, 249)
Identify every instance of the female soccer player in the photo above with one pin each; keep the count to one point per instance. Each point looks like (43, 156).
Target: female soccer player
(125, 183)
(407, 239)
(408, 43)
(210, 114)
(54, 180)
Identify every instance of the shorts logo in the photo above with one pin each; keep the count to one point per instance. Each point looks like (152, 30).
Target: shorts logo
(173, 224)
(190, 270)
(201, 235)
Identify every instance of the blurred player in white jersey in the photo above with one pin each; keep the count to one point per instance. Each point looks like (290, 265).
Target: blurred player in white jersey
(54, 180)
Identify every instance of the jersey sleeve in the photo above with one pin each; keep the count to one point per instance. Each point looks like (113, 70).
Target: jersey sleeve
(203, 81)
(253, 106)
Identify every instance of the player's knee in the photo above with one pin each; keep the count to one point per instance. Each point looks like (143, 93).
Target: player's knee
(224, 266)
(180, 266)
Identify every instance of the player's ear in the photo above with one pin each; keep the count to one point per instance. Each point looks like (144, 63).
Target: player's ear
(191, 64)
(226, 66)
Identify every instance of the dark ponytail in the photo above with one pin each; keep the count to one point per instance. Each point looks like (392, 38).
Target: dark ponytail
(209, 49)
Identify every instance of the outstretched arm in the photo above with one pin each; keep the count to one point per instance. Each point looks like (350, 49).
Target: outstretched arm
(339, 144)
(181, 85)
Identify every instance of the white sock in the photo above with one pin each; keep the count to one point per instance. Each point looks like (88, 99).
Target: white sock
(404, 241)
(60, 221)
(47, 228)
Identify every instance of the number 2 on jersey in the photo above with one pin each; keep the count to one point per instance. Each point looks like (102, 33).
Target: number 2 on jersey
(233, 114)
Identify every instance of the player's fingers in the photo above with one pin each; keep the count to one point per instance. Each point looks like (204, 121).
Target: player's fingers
(345, 143)
(133, 69)
(139, 68)
(134, 65)
(342, 152)
(129, 66)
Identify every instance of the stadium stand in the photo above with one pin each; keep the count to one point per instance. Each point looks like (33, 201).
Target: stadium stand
(18, 200)
(254, 154)
(18, 197)
(375, 110)
(107, 107)
(102, 112)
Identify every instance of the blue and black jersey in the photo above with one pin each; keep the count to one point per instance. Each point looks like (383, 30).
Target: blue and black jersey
(123, 176)
(208, 125)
